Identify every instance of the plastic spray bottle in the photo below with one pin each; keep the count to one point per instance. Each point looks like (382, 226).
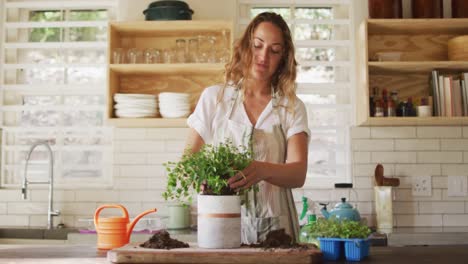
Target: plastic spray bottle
(306, 234)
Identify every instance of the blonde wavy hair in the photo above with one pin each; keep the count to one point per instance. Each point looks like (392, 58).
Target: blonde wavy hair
(241, 61)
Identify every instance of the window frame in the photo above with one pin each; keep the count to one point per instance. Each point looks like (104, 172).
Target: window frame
(97, 133)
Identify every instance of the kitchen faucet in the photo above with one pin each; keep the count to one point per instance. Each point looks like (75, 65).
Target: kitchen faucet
(24, 189)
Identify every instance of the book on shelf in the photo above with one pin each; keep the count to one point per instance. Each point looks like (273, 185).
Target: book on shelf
(450, 93)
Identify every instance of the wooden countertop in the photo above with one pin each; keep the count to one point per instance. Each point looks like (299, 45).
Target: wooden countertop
(88, 254)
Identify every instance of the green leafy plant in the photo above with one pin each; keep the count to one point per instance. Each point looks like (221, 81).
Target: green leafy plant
(206, 171)
(334, 228)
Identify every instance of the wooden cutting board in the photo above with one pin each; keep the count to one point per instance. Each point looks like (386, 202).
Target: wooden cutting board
(132, 253)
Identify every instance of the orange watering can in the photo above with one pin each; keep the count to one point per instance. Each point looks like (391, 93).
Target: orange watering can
(114, 232)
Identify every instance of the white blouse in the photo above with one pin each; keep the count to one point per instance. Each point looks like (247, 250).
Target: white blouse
(211, 112)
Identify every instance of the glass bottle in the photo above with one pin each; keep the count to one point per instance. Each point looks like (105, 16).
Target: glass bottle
(459, 8)
(385, 9)
(396, 102)
(427, 8)
(307, 233)
(385, 101)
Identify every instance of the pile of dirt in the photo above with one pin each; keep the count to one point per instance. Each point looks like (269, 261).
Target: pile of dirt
(279, 239)
(162, 240)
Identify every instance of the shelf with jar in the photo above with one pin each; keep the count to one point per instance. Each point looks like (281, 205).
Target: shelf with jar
(400, 55)
(152, 57)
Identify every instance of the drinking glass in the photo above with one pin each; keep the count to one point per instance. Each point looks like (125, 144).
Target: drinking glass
(180, 51)
(223, 52)
(118, 56)
(193, 50)
(134, 55)
(211, 49)
(169, 56)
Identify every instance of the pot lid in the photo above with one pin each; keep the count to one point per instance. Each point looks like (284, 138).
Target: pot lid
(343, 204)
(173, 3)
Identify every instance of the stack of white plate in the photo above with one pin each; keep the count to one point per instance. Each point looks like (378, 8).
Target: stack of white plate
(135, 105)
(174, 105)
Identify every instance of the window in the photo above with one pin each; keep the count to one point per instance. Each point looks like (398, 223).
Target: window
(53, 87)
(322, 32)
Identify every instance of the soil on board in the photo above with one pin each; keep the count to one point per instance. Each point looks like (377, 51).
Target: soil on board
(279, 239)
(162, 240)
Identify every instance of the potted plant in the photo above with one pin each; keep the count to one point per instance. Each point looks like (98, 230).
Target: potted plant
(335, 234)
(206, 172)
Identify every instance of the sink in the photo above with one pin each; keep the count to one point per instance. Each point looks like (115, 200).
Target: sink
(36, 233)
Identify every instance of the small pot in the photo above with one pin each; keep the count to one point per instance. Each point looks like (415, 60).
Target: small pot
(168, 13)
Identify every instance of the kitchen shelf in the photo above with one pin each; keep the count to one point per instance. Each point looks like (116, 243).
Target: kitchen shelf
(424, 67)
(147, 122)
(185, 68)
(422, 44)
(155, 78)
(417, 121)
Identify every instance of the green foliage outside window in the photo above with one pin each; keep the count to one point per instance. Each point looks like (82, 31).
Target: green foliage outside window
(49, 34)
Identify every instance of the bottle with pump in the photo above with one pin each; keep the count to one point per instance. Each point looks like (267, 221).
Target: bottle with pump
(306, 234)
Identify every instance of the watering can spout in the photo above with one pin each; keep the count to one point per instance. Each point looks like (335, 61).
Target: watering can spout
(132, 224)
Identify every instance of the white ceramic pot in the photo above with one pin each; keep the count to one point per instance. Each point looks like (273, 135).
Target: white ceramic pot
(219, 221)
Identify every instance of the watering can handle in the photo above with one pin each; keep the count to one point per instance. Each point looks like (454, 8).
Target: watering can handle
(99, 209)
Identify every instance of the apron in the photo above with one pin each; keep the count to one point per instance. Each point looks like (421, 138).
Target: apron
(272, 207)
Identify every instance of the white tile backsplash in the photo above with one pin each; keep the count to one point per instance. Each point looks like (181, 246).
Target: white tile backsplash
(139, 177)
(372, 145)
(441, 207)
(439, 132)
(419, 220)
(141, 146)
(361, 132)
(417, 169)
(369, 170)
(144, 171)
(393, 132)
(31, 208)
(59, 195)
(14, 220)
(129, 133)
(393, 157)
(416, 144)
(97, 196)
(455, 219)
(440, 157)
(361, 157)
(3, 208)
(405, 207)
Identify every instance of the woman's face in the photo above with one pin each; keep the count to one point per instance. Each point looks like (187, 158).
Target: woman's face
(267, 50)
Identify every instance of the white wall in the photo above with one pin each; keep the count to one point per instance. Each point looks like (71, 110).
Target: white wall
(139, 176)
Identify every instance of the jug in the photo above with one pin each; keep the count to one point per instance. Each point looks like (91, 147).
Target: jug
(114, 232)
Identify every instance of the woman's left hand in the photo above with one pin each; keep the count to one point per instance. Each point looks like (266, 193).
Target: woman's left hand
(247, 177)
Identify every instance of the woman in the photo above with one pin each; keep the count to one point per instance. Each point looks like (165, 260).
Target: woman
(257, 107)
